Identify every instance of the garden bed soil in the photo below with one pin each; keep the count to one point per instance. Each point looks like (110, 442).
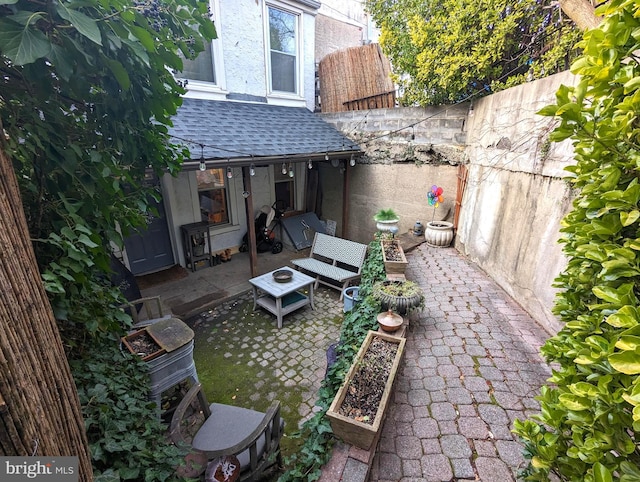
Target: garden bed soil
(141, 343)
(368, 383)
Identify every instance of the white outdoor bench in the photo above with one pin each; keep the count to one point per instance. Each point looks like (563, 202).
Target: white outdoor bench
(335, 262)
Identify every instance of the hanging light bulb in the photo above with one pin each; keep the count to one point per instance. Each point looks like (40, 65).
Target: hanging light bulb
(352, 161)
(229, 172)
(252, 170)
(203, 165)
(290, 170)
(284, 168)
(310, 164)
(326, 156)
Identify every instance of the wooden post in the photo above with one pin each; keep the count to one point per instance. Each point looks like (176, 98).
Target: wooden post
(346, 188)
(251, 227)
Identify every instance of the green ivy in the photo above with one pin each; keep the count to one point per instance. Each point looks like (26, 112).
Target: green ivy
(126, 438)
(589, 425)
(86, 98)
(307, 463)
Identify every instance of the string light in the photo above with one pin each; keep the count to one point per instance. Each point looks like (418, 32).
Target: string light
(203, 165)
(252, 170)
(290, 170)
(229, 170)
(310, 164)
(284, 168)
(326, 156)
(352, 161)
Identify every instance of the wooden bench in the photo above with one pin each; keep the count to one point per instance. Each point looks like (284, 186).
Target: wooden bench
(335, 262)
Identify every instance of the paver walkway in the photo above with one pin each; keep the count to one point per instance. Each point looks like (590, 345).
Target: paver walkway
(471, 367)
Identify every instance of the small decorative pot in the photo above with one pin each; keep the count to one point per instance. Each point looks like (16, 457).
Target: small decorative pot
(439, 234)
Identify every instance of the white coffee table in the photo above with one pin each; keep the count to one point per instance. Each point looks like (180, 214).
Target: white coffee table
(282, 298)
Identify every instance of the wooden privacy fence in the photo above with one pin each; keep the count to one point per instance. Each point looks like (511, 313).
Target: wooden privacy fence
(357, 78)
(380, 101)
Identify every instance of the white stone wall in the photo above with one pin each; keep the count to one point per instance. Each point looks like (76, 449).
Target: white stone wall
(241, 28)
(516, 192)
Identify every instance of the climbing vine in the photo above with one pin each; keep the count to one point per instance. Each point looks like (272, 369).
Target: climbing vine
(318, 438)
(589, 425)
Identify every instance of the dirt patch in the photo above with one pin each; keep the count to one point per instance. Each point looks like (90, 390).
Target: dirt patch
(176, 272)
(185, 310)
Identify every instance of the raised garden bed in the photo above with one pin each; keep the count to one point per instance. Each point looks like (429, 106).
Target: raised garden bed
(359, 408)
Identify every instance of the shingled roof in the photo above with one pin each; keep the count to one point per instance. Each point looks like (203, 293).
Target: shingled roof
(242, 131)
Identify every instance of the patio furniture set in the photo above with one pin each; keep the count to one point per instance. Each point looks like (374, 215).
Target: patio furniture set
(234, 443)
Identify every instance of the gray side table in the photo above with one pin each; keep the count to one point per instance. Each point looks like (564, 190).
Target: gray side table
(282, 298)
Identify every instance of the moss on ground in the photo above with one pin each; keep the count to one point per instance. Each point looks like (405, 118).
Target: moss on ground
(243, 359)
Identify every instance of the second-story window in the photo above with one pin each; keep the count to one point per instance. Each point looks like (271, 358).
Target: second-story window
(206, 72)
(202, 68)
(283, 50)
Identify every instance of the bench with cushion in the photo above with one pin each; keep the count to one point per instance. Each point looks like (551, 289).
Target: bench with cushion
(335, 262)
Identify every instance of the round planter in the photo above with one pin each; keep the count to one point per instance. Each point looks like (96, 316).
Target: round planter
(389, 225)
(438, 234)
(350, 296)
(401, 305)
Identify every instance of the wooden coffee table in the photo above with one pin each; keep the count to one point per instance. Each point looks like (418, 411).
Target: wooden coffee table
(282, 298)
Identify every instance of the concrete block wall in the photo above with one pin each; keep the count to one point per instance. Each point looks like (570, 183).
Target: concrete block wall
(516, 192)
(431, 125)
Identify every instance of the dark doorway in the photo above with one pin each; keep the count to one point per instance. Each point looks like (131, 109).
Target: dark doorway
(150, 249)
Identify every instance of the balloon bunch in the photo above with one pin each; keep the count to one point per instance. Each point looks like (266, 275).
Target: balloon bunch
(435, 197)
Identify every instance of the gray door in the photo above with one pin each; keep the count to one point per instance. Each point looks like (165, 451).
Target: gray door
(150, 249)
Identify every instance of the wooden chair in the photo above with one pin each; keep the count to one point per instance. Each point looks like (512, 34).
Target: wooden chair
(219, 431)
(146, 311)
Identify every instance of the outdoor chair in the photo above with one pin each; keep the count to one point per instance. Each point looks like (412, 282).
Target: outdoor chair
(145, 311)
(218, 431)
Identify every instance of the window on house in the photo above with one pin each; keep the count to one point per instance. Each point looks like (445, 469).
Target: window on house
(201, 68)
(206, 72)
(283, 50)
(212, 195)
(285, 189)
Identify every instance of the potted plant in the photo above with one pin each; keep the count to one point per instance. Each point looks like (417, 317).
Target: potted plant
(387, 220)
(395, 262)
(359, 407)
(437, 233)
(402, 297)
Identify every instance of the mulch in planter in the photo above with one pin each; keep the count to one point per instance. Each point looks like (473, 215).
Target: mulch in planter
(367, 386)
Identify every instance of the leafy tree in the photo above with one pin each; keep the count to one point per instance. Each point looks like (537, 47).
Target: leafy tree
(444, 51)
(589, 425)
(85, 100)
(86, 95)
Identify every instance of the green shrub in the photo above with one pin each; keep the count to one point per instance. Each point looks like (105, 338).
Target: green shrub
(386, 215)
(126, 438)
(590, 416)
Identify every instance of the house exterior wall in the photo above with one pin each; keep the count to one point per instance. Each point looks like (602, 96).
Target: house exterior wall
(515, 194)
(341, 24)
(241, 32)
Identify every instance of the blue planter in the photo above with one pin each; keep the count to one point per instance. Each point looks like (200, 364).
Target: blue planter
(350, 296)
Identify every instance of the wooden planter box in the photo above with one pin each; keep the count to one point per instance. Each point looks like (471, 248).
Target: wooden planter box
(131, 342)
(351, 431)
(394, 267)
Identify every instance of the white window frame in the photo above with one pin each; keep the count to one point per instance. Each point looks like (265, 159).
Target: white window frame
(299, 83)
(213, 90)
